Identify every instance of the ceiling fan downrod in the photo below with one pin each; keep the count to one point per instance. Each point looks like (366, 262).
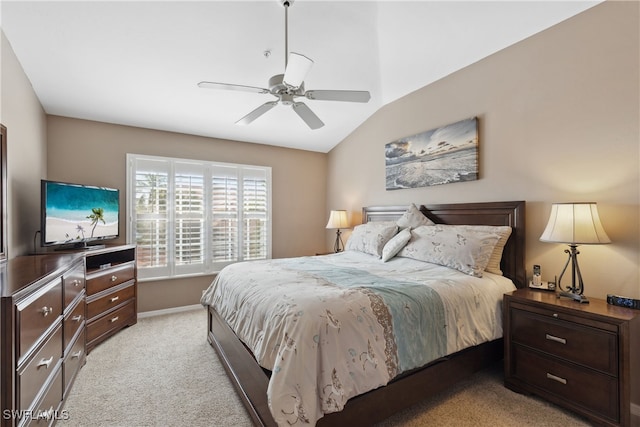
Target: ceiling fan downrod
(286, 4)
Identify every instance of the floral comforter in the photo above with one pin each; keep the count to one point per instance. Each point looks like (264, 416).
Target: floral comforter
(336, 326)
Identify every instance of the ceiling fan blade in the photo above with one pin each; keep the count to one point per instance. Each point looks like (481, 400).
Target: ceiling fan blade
(257, 113)
(297, 68)
(227, 86)
(339, 95)
(307, 115)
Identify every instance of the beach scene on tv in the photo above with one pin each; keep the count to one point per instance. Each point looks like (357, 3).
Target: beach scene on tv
(76, 213)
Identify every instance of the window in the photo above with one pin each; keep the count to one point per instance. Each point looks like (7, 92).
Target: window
(191, 217)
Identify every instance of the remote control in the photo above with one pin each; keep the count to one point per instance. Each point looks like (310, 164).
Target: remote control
(623, 301)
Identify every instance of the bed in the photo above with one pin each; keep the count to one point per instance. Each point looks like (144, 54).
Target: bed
(406, 386)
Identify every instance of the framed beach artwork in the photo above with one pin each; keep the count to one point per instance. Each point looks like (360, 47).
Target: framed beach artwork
(438, 156)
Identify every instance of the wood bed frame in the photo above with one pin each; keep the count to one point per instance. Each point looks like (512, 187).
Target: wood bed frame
(251, 380)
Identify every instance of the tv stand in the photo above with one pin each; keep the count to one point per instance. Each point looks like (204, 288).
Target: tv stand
(81, 246)
(93, 247)
(111, 287)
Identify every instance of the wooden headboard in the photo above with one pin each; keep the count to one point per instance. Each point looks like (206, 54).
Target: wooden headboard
(485, 213)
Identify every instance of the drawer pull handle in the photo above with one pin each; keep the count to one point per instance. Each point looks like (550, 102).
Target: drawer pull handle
(46, 310)
(556, 378)
(114, 299)
(114, 278)
(114, 319)
(77, 355)
(556, 339)
(45, 363)
(77, 318)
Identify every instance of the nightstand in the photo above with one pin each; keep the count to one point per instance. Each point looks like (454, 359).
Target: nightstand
(579, 356)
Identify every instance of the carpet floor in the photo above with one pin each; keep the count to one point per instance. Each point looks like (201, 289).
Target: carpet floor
(163, 372)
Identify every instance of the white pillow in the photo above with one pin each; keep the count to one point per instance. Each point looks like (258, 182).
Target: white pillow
(394, 245)
(371, 237)
(467, 251)
(503, 231)
(413, 218)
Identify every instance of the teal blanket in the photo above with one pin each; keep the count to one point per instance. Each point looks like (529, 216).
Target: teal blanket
(417, 311)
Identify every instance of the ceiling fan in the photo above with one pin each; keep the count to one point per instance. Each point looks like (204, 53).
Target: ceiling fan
(290, 85)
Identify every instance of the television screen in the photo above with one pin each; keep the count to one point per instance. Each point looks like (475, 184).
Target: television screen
(76, 214)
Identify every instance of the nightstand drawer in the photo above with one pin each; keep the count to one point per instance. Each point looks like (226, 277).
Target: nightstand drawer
(591, 347)
(591, 391)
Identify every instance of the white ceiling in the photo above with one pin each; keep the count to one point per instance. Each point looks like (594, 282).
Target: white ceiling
(138, 63)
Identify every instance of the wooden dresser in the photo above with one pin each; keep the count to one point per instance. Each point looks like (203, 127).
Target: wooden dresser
(42, 315)
(54, 308)
(112, 292)
(579, 356)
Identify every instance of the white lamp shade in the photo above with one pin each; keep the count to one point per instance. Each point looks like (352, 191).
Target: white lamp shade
(575, 223)
(338, 219)
(297, 68)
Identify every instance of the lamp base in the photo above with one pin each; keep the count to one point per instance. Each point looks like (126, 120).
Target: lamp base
(576, 297)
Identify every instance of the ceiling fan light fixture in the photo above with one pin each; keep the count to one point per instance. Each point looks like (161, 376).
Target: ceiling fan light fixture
(297, 68)
(290, 85)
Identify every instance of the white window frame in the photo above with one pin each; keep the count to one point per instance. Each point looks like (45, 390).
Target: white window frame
(207, 267)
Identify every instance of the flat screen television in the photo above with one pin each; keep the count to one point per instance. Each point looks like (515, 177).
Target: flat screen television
(75, 215)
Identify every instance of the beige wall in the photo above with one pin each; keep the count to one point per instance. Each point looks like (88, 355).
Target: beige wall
(94, 153)
(22, 114)
(559, 121)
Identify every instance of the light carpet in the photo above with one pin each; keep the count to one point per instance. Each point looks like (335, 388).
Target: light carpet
(163, 372)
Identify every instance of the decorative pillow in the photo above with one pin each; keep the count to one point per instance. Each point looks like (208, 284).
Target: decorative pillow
(413, 218)
(503, 231)
(396, 243)
(371, 237)
(467, 251)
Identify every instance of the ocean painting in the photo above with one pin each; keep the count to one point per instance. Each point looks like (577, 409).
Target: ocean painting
(438, 156)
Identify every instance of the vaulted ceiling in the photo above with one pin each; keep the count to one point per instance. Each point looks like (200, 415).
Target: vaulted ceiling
(138, 63)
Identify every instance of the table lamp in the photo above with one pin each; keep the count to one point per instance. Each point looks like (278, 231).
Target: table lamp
(574, 224)
(337, 220)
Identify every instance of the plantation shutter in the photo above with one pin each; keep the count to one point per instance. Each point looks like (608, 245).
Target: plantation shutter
(255, 213)
(189, 208)
(192, 217)
(151, 188)
(224, 215)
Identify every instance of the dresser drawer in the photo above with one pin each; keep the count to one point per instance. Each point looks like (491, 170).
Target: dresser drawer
(33, 376)
(72, 322)
(73, 283)
(591, 347)
(73, 361)
(35, 316)
(112, 321)
(107, 302)
(109, 277)
(591, 391)
(48, 410)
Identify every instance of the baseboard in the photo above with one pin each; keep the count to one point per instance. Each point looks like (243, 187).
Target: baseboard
(635, 409)
(172, 310)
